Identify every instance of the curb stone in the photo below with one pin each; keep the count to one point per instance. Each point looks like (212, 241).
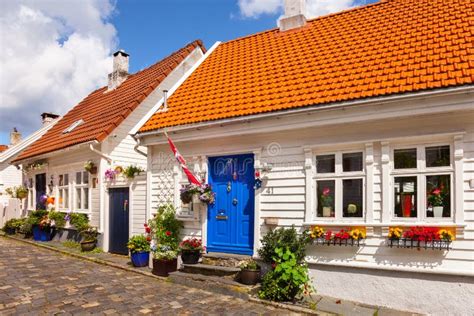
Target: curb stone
(298, 309)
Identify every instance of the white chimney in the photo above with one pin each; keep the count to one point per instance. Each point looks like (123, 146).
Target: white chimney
(295, 15)
(120, 70)
(47, 118)
(15, 137)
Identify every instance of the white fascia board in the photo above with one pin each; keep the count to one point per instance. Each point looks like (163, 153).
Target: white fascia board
(158, 105)
(14, 150)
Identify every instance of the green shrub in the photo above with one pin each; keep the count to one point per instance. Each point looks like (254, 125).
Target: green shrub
(71, 244)
(80, 221)
(288, 281)
(165, 228)
(284, 238)
(58, 218)
(14, 223)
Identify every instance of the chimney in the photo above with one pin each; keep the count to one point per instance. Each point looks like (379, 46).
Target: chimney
(120, 70)
(295, 15)
(15, 137)
(48, 118)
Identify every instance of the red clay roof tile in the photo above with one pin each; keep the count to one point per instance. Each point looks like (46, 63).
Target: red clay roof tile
(103, 111)
(393, 46)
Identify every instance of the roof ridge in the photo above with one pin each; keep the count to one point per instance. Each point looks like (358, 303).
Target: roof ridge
(321, 17)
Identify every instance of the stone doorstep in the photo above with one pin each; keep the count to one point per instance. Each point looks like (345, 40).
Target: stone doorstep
(211, 270)
(214, 284)
(223, 259)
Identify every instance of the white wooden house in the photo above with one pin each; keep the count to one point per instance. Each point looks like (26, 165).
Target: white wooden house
(97, 130)
(374, 106)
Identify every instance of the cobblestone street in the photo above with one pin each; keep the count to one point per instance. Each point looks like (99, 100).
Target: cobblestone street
(34, 281)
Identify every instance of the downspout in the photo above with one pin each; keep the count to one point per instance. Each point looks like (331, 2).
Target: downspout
(106, 157)
(138, 144)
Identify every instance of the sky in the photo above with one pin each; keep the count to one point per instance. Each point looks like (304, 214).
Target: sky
(53, 53)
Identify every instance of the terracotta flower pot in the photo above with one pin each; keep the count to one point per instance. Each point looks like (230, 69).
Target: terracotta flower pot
(164, 267)
(249, 277)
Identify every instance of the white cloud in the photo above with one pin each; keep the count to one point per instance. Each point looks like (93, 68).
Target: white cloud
(52, 54)
(256, 8)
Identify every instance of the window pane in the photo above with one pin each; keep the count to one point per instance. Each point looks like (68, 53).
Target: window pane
(78, 199)
(437, 156)
(66, 198)
(352, 199)
(85, 177)
(352, 162)
(61, 180)
(61, 198)
(326, 163)
(438, 196)
(78, 177)
(66, 179)
(86, 198)
(405, 197)
(404, 158)
(325, 190)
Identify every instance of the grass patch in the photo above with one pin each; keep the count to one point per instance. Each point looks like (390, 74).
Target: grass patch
(95, 250)
(71, 244)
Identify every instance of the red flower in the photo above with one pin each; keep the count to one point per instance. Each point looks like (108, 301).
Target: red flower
(274, 265)
(326, 191)
(145, 225)
(168, 233)
(436, 192)
(148, 229)
(257, 174)
(148, 238)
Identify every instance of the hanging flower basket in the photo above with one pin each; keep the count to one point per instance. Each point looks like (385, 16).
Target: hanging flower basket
(197, 194)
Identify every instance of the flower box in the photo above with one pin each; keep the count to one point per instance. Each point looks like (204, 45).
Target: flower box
(420, 244)
(354, 236)
(339, 242)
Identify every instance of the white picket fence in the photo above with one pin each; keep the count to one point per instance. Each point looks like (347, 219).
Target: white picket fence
(10, 208)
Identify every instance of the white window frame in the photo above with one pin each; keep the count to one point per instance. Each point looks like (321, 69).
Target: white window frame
(62, 188)
(338, 176)
(82, 186)
(31, 192)
(421, 172)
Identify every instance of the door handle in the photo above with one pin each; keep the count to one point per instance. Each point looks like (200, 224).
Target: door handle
(125, 205)
(235, 202)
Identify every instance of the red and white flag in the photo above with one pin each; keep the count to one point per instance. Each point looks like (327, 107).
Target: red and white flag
(191, 177)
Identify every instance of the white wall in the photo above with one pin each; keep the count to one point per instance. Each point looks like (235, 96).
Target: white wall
(10, 176)
(284, 195)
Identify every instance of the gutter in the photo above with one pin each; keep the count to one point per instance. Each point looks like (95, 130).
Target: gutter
(107, 157)
(314, 108)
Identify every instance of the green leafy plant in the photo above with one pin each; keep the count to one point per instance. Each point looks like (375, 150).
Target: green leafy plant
(89, 165)
(138, 243)
(165, 228)
(288, 281)
(80, 221)
(249, 265)
(71, 244)
(17, 192)
(89, 234)
(282, 237)
(58, 218)
(14, 224)
(131, 172)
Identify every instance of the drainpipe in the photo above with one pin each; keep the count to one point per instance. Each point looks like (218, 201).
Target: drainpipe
(107, 157)
(138, 144)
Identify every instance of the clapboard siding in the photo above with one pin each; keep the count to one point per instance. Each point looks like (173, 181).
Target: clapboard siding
(283, 194)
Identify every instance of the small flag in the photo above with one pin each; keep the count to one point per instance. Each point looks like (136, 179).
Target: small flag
(191, 177)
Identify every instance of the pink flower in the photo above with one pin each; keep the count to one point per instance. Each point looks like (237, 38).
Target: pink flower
(436, 191)
(326, 191)
(168, 233)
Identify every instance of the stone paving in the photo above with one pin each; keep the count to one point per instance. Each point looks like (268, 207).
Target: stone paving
(38, 281)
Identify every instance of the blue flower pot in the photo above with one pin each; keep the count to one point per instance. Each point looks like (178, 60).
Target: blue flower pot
(140, 259)
(41, 234)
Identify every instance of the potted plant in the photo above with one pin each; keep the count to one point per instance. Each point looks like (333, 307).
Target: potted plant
(165, 260)
(90, 167)
(190, 250)
(12, 225)
(131, 172)
(197, 194)
(40, 225)
(326, 202)
(17, 192)
(139, 247)
(89, 238)
(249, 272)
(435, 199)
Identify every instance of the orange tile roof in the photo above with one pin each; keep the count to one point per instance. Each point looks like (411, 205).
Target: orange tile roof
(390, 47)
(3, 148)
(103, 111)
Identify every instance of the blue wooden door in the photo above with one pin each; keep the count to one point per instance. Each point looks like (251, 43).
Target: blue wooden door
(119, 220)
(231, 217)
